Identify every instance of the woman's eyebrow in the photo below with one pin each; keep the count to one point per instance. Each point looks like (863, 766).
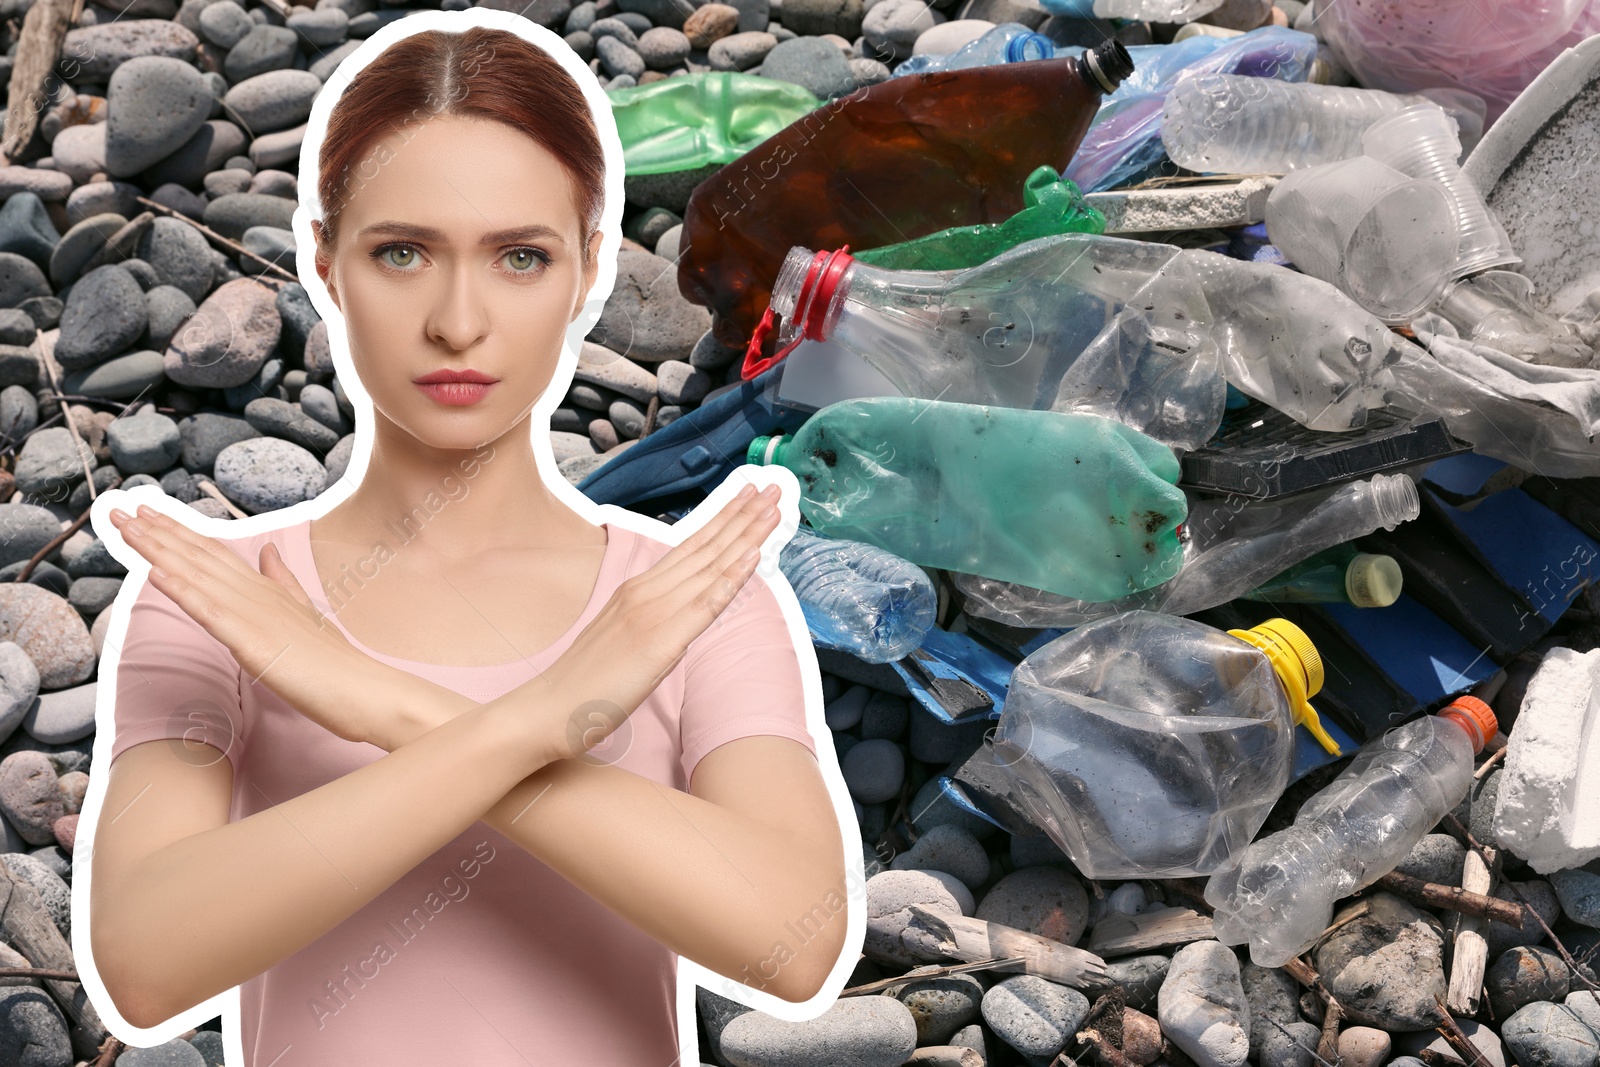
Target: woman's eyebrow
(535, 231)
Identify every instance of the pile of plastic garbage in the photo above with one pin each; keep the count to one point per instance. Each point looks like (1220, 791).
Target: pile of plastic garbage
(1194, 432)
(1193, 404)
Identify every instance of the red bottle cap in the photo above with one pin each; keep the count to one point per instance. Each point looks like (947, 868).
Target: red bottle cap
(810, 309)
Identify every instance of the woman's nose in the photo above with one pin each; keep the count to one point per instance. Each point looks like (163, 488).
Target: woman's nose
(458, 316)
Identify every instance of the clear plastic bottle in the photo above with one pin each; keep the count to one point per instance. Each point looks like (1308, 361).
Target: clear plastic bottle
(858, 598)
(1138, 331)
(1234, 124)
(1227, 550)
(1340, 575)
(989, 490)
(1495, 308)
(1280, 894)
(1009, 42)
(1153, 746)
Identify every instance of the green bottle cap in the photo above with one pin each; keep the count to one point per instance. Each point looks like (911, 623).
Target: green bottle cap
(764, 451)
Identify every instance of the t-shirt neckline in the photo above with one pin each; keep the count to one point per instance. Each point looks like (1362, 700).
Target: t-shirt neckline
(305, 567)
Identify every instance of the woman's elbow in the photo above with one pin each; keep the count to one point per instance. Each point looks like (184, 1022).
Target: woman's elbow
(128, 982)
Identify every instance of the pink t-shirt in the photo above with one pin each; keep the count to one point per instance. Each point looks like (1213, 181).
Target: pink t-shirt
(481, 954)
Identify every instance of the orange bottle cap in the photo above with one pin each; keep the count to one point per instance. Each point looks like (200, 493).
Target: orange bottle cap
(1476, 716)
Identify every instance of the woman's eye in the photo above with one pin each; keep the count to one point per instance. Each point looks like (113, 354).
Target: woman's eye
(524, 260)
(406, 253)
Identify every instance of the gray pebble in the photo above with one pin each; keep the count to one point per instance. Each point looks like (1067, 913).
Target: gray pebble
(949, 849)
(874, 770)
(1035, 1016)
(813, 63)
(860, 1031)
(62, 715)
(1548, 1035)
(268, 473)
(147, 443)
(741, 51)
(153, 105)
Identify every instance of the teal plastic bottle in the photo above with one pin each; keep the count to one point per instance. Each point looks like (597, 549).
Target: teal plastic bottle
(1074, 504)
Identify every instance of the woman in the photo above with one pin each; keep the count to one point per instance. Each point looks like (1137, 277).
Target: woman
(408, 836)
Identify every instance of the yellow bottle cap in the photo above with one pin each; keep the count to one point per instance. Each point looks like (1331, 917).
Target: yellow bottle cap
(1373, 581)
(1299, 668)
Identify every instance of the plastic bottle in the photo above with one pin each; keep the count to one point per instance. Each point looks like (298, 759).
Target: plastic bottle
(1008, 42)
(1123, 144)
(1054, 205)
(989, 490)
(1279, 895)
(1153, 746)
(1139, 331)
(1231, 124)
(1340, 575)
(897, 160)
(1227, 550)
(857, 597)
(694, 120)
(1495, 308)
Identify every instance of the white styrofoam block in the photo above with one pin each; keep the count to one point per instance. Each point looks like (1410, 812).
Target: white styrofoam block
(1548, 811)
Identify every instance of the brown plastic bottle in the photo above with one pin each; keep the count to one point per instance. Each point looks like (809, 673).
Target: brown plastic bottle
(889, 162)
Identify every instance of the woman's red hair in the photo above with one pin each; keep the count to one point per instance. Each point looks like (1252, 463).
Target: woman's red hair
(478, 73)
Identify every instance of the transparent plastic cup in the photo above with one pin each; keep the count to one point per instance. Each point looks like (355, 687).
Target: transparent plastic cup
(1421, 142)
(1386, 239)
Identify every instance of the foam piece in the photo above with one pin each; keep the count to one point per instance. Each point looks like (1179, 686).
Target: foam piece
(1548, 811)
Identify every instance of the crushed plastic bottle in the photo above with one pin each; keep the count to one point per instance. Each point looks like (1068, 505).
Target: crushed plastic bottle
(1228, 549)
(1279, 895)
(1153, 746)
(1008, 42)
(1138, 331)
(1340, 575)
(1058, 323)
(698, 119)
(1231, 124)
(897, 160)
(858, 598)
(988, 490)
(1495, 308)
(1123, 144)
(1054, 205)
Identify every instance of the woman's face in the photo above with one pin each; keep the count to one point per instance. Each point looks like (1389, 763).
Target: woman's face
(460, 253)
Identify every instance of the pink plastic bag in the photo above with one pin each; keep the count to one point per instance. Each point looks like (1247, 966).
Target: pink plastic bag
(1491, 47)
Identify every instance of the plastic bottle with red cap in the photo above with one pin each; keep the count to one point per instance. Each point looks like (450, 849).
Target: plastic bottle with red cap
(1280, 893)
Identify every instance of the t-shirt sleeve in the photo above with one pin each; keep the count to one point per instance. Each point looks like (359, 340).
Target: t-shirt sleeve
(742, 678)
(174, 680)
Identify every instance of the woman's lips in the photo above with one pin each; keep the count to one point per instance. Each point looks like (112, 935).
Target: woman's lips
(457, 394)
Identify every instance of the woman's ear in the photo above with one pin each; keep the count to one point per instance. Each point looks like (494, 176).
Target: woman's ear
(324, 263)
(590, 273)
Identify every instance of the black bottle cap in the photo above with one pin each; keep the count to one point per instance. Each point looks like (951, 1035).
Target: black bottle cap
(1105, 66)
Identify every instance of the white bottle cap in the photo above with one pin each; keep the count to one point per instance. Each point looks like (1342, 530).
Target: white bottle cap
(1373, 581)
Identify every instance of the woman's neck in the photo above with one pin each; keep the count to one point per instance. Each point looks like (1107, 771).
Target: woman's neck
(458, 504)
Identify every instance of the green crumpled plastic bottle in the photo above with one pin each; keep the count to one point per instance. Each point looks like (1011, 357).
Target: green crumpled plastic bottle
(1054, 205)
(693, 120)
(1074, 504)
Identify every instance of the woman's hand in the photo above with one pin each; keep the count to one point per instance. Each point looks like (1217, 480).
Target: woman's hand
(647, 625)
(268, 622)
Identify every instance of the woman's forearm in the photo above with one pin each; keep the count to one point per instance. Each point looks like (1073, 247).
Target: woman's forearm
(716, 886)
(263, 887)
